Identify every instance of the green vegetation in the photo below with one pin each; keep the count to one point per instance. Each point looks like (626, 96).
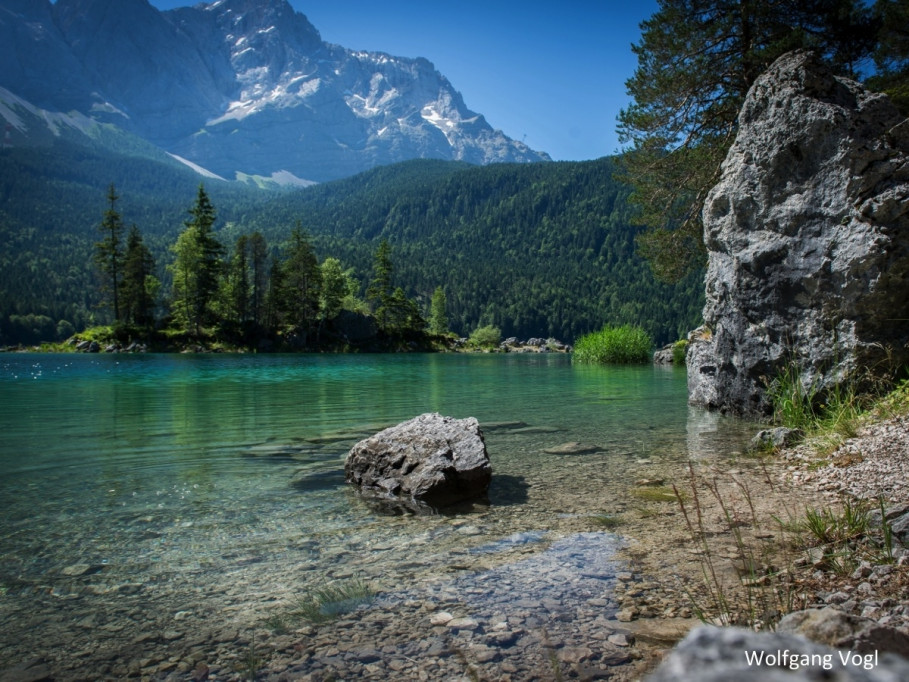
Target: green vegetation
(891, 56)
(606, 521)
(826, 417)
(696, 63)
(658, 494)
(543, 250)
(438, 312)
(679, 352)
(323, 604)
(488, 336)
(614, 345)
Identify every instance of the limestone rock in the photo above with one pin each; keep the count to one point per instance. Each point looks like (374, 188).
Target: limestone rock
(430, 459)
(807, 234)
(664, 356)
(778, 437)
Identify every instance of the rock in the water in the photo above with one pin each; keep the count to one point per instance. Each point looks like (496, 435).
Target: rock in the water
(430, 459)
(664, 356)
(573, 448)
(807, 233)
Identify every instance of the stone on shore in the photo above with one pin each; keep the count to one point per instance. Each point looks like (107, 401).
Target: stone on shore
(807, 233)
(844, 631)
(429, 460)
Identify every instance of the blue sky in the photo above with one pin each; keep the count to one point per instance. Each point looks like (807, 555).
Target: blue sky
(550, 74)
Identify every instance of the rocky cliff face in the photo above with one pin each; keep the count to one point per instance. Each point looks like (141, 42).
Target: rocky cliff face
(238, 86)
(808, 240)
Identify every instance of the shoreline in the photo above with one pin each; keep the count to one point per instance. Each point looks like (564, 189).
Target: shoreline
(675, 576)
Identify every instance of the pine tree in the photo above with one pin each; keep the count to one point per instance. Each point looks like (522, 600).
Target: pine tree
(697, 60)
(891, 57)
(380, 290)
(301, 282)
(258, 262)
(236, 287)
(402, 315)
(197, 266)
(140, 286)
(109, 251)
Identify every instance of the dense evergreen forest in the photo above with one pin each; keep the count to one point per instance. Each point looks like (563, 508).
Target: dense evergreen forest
(534, 249)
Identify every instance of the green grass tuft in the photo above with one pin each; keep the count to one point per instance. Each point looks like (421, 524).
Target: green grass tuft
(330, 601)
(614, 345)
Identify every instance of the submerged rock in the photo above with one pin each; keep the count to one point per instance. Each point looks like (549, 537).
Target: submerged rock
(807, 234)
(573, 448)
(430, 459)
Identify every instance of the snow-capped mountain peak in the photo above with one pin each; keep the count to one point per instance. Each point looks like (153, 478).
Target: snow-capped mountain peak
(240, 87)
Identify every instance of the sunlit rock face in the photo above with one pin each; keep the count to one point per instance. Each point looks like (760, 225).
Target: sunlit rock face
(244, 86)
(808, 240)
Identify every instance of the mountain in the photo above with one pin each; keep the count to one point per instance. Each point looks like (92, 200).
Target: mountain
(238, 87)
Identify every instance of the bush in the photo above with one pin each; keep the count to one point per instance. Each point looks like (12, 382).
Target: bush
(614, 345)
(679, 352)
(489, 335)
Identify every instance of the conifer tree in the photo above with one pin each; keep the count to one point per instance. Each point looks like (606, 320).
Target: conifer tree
(402, 315)
(258, 263)
(236, 286)
(301, 281)
(197, 266)
(891, 56)
(109, 251)
(140, 286)
(380, 289)
(697, 60)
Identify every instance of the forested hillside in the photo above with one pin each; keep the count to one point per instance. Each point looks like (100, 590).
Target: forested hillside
(535, 249)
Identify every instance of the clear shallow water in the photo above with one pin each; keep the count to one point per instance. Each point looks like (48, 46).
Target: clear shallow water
(121, 472)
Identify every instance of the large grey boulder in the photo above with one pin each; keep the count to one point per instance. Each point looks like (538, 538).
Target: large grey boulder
(807, 233)
(710, 654)
(429, 460)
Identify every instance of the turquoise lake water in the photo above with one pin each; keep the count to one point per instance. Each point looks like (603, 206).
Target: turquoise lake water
(195, 473)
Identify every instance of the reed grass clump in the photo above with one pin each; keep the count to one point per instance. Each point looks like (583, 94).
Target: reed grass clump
(626, 344)
(659, 493)
(322, 604)
(826, 416)
(332, 600)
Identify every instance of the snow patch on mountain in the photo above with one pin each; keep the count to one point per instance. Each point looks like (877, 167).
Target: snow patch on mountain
(204, 172)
